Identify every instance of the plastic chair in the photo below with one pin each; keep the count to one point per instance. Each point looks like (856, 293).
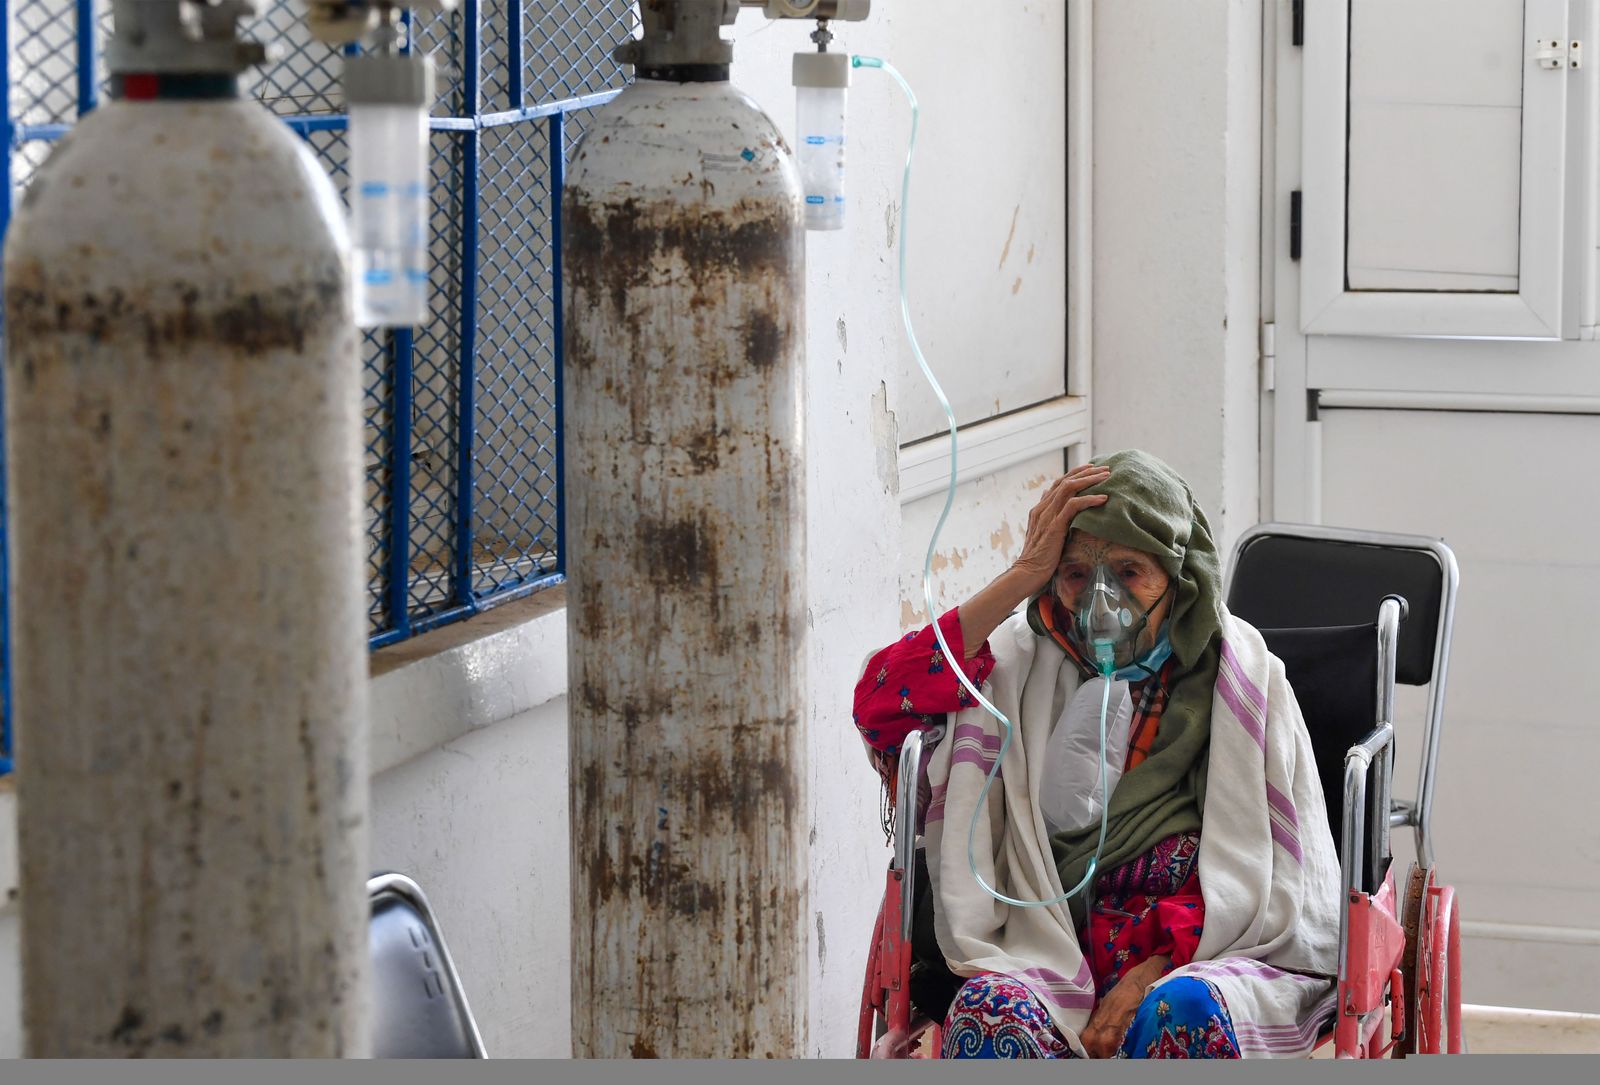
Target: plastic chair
(419, 1010)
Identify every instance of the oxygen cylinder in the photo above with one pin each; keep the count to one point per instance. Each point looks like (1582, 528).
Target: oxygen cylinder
(683, 264)
(190, 673)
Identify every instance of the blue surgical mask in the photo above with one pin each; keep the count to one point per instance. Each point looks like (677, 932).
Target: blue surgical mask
(1147, 665)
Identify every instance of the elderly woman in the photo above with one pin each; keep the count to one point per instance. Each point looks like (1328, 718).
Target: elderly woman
(1210, 926)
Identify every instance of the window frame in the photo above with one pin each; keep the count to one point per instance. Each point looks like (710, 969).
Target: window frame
(1327, 307)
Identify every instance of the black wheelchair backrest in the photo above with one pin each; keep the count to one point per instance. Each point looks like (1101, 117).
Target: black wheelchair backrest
(1282, 582)
(1333, 671)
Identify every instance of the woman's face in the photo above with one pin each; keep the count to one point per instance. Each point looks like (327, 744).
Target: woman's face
(1139, 572)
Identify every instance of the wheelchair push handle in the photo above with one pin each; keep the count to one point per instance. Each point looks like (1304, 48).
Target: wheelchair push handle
(905, 824)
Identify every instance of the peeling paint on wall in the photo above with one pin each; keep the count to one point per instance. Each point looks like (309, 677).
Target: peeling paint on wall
(983, 536)
(954, 558)
(1003, 540)
(822, 945)
(885, 436)
(910, 615)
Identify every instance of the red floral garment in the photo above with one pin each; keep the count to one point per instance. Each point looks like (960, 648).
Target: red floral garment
(1148, 907)
(909, 683)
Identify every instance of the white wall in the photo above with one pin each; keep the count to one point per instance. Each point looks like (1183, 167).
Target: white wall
(981, 540)
(481, 822)
(1177, 181)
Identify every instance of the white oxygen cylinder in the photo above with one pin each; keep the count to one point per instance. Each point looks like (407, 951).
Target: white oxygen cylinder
(183, 421)
(683, 272)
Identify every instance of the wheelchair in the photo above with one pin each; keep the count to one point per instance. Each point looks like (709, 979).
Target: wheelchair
(1350, 614)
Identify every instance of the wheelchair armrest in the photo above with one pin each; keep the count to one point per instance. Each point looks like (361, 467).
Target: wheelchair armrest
(1379, 743)
(1357, 762)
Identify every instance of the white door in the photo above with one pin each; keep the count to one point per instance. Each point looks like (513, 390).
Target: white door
(1431, 369)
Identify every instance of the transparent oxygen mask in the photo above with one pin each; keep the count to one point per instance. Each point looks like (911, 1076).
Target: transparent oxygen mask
(1103, 618)
(1105, 621)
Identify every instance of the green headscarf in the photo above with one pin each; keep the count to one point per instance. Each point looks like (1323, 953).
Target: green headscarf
(1152, 509)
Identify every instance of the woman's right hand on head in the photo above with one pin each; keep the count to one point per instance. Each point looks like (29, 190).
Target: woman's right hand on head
(1034, 569)
(1050, 521)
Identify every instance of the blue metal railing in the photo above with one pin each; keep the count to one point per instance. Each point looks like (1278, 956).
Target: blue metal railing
(463, 448)
(5, 580)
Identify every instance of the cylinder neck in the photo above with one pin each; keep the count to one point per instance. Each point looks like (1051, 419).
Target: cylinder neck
(180, 39)
(682, 41)
(173, 87)
(686, 73)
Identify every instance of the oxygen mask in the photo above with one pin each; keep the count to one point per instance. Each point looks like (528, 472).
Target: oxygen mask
(1107, 622)
(1104, 620)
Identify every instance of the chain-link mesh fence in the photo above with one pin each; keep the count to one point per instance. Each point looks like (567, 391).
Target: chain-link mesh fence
(463, 489)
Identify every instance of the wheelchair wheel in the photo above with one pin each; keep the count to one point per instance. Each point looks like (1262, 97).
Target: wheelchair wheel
(1439, 983)
(1411, 923)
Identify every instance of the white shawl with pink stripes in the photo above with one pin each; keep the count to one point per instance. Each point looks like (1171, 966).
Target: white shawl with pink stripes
(1268, 870)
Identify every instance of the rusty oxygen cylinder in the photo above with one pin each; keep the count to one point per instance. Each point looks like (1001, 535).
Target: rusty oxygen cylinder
(683, 268)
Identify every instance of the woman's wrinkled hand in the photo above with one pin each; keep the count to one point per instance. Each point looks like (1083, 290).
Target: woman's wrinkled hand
(1050, 521)
(1102, 1036)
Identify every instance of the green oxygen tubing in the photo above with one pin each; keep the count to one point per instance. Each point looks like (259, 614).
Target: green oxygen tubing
(1103, 653)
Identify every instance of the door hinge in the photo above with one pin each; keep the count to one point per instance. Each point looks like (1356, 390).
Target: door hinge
(1557, 55)
(1294, 224)
(1299, 26)
(1269, 356)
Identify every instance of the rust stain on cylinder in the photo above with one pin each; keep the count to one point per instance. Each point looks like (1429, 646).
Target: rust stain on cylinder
(686, 527)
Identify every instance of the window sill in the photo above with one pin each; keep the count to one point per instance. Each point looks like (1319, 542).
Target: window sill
(425, 692)
(442, 684)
